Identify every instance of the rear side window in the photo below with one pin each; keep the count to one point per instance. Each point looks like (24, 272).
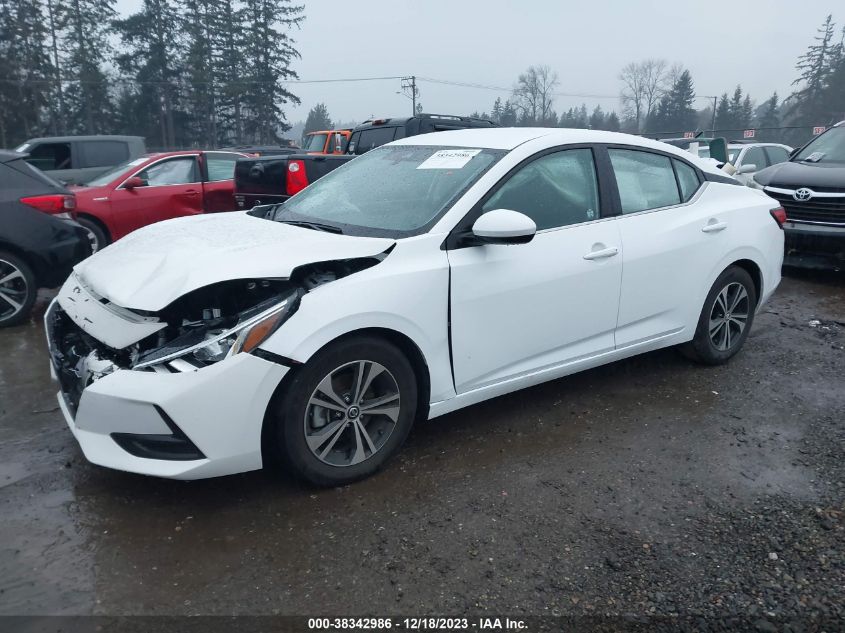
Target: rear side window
(374, 137)
(687, 179)
(102, 153)
(645, 180)
(777, 155)
(50, 156)
(220, 166)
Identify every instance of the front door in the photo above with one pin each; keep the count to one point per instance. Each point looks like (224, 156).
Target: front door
(172, 188)
(517, 309)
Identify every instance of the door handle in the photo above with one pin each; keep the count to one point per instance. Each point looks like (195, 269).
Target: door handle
(602, 253)
(714, 227)
(192, 192)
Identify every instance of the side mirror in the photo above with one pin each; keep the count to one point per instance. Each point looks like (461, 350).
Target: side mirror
(135, 181)
(746, 169)
(503, 226)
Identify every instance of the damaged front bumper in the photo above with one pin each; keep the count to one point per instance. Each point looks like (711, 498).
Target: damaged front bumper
(176, 421)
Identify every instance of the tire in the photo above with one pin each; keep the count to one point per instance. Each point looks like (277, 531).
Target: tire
(97, 236)
(720, 332)
(18, 290)
(328, 446)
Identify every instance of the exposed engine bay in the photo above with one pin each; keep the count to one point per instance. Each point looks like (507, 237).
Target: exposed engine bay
(198, 329)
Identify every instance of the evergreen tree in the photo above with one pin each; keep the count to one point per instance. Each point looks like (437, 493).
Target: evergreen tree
(612, 123)
(724, 118)
(151, 39)
(229, 69)
(597, 119)
(201, 89)
(814, 66)
(496, 114)
(26, 72)
(508, 118)
(268, 53)
(318, 119)
(84, 28)
(737, 112)
(769, 117)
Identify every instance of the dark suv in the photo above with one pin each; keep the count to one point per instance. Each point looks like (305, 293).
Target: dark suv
(811, 187)
(376, 132)
(39, 242)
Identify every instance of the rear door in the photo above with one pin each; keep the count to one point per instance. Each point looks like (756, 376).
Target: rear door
(671, 236)
(218, 185)
(173, 188)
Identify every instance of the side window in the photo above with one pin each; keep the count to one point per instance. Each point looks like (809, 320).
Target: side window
(47, 156)
(755, 156)
(374, 137)
(176, 171)
(220, 166)
(645, 180)
(777, 155)
(102, 153)
(554, 190)
(687, 179)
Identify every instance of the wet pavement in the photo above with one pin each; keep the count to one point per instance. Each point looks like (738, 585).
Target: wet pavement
(650, 486)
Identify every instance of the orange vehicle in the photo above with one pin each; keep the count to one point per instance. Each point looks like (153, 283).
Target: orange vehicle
(326, 141)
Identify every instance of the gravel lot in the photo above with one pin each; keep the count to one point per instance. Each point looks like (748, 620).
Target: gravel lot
(650, 487)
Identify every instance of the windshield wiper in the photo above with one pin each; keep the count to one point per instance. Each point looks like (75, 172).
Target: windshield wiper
(316, 226)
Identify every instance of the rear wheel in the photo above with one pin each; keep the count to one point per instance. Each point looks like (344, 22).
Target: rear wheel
(18, 290)
(97, 237)
(346, 412)
(725, 319)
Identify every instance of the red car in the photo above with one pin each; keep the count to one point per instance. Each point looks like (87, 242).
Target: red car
(155, 187)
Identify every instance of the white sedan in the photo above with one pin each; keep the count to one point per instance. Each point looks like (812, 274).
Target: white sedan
(428, 275)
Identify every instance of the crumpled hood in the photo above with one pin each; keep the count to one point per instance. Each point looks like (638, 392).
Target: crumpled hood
(795, 175)
(154, 266)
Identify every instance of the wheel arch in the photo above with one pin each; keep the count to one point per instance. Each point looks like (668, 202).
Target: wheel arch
(754, 271)
(98, 221)
(35, 264)
(405, 344)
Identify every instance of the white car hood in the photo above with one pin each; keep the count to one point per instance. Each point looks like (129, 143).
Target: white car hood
(152, 267)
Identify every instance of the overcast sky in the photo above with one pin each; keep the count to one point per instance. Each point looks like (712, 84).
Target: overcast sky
(752, 42)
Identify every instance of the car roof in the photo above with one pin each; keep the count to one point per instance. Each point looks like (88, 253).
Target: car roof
(91, 137)
(511, 137)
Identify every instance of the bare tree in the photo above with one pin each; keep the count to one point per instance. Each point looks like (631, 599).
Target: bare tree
(644, 85)
(534, 94)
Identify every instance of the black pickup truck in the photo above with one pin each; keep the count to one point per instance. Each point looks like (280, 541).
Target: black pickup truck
(272, 179)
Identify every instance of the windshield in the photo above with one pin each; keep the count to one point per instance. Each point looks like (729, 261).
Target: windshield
(115, 172)
(827, 148)
(315, 143)
(393, 190)
(733, 153)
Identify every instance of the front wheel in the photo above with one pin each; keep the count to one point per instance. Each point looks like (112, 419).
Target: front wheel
(346, 412)
(725, 319)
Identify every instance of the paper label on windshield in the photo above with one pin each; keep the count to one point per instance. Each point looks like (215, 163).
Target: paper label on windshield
(449, 159)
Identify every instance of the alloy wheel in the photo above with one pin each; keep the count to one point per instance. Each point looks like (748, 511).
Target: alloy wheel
(729, 316)
(13, 290)
(352, 412)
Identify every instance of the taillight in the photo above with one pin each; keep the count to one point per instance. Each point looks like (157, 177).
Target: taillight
(52, 204)
(779, 214)
(297, 179)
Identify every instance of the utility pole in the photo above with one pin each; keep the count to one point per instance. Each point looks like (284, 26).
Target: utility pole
(714, 116)
(410, 84)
